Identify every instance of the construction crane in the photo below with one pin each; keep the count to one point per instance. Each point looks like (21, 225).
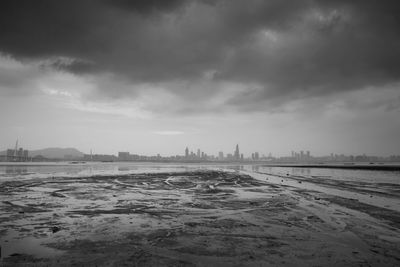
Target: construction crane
(16, 149)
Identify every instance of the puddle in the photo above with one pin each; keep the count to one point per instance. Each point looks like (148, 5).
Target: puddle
(378, 201)
(12, 244)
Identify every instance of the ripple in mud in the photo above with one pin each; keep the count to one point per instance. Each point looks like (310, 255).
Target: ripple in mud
(207, 218)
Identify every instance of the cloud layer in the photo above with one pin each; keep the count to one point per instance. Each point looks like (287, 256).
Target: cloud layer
(217, 55)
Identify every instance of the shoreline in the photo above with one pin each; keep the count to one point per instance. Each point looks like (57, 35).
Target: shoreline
(380, 166)
(374, 166)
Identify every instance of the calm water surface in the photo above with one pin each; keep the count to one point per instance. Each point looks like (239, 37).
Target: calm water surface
(35, 170)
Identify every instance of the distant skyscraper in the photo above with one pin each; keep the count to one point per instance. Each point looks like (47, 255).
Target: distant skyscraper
(198, 153)
(16, 148)
(187, 152)
(10, 152)
(121, 155)
(20, 152)
(221, 155)
(237, 154)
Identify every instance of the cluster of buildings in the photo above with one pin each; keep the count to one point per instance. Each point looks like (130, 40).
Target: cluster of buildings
(306, 157)
(255, 156)
(99, 157)
(18, 154)
(202, 156)
(188, 156)
(301, 156)
(126, 156)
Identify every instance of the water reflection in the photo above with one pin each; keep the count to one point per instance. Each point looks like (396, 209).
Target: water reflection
(16, 169)
(237, 167)
(302, 171)
(255, 168)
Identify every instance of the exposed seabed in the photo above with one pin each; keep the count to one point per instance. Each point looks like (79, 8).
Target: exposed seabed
(198, 218)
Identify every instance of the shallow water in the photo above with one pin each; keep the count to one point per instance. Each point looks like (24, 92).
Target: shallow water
(66, 169)
(368, 176)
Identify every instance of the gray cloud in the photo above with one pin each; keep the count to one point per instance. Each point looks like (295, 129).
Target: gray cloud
(280, 50)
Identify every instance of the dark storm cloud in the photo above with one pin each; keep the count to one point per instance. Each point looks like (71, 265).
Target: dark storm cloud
(144, 6)
(68, 28)
(284, 49)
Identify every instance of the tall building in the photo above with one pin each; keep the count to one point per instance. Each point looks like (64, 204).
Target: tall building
(198, 153)
(221, 155)
(10, 152)
(186, 152)
(20, 152)
(123, 155)
(237, 154)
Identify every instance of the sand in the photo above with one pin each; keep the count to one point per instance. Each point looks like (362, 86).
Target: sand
(198, 218)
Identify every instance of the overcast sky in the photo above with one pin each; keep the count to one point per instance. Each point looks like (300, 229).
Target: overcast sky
(155, 76)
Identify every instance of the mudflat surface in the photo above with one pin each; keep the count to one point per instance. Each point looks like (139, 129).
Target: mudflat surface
(196, 218)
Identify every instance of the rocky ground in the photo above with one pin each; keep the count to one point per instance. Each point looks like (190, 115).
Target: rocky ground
(198, 218)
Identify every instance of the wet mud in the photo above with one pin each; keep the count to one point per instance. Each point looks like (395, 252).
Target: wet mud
(196, 218)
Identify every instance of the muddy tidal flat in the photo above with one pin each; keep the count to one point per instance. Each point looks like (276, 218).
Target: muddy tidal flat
(196, 218)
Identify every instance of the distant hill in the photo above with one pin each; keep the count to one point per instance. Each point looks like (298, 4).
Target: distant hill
(54, 153)
(57, 153)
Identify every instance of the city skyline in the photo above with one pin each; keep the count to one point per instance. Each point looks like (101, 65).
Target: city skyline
(154, 76)
(11, 154)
